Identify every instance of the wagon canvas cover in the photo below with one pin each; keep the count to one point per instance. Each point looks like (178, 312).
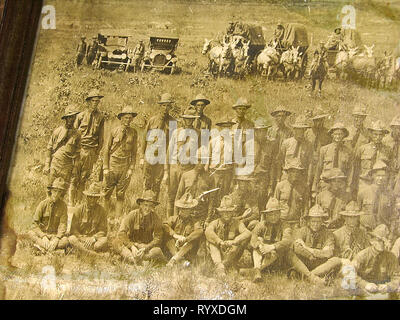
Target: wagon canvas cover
(295, 35)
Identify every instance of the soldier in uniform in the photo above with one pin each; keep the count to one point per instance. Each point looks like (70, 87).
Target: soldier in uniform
(334, 198)
(270, 240)
(63, 149)
(81, 51)
(358, 134)
(278, 133)
(318, 135)
(277, 38)
(153, 173)
(119, 159)
(377, 268)
(334, 155)
(180, 162)
(351, 238)
(226, 238)
(50, 220)
(183, 231)
(92, 51)
(89, 224)
(376, 199)
(335, 40)
(202, 122)
(138, 53)
(313, 247)
(368, 154)
(90, 124)
(292, 195)
(241, 107)
(393, 141)
(298, 149)
(140, 234)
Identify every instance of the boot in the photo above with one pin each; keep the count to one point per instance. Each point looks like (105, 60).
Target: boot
(257, 277)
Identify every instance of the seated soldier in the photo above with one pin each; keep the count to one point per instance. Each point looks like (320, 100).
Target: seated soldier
(377, 268)
(50, 220)
(140, 234)
(313, 247)
(350, 239)
(270, 239)
(183, 231)
(395, 230)
(89, 224)
(226, 237)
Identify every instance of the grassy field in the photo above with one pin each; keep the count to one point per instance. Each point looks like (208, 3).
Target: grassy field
(55, 82)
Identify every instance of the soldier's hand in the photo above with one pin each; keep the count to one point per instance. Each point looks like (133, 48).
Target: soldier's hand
(53, 244)
(128, 174)
(383, 288)
(140, 253)
(371, 287)
(46, 242)
(230, 243)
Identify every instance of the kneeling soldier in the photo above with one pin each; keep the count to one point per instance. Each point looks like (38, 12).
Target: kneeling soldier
(140, 234)
(89, 224)
(183, 231)
(50, 220)
(270, 239)
(313, 247)
(226, 237)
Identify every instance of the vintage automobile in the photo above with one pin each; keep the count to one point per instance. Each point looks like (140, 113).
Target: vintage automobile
(161, 55)
(113, 52)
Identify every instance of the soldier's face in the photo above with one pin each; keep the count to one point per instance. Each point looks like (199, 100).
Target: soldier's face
(378, 244)
(166, 107)
(188, 122)
(294, 174)
(226, 216)
(358, 121)
(69, 121)
(147, 207)
(93, 103)
(352, 222)
(338, 184)
(126, 120)
(380, 177)
(243, 185)
(315, 224)
(396, 132)
(280, 118)
(377, 136)
(273, 216)
(298, 133)
(240, 112)
(185, 213)
(338, 135)
(200, 105)
(91, 201)
(56, 194)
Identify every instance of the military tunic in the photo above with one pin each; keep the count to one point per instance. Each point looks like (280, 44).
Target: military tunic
(50, 218)
(89, 222)
(203, 122)
(333, 204)
(348, 243)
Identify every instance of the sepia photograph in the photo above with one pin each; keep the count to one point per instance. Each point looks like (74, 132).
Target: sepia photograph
(207, 150)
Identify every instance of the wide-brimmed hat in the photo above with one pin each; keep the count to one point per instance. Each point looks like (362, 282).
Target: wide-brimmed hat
(317, 212)
(226, 205)
(186, 202)
(59, 184)
(198, 98)
(340, 29)
(352, 210)
(149, 196)
(225, 122)
(279, 109)
(379, 165)
(301, 122)
(94, 37)
(190, 113)
(272, 205)
(378, 125)
(333, 173)
(94, 190)
(244, 178)
(381, 232)
(94, 93)
(359, 111)
(395, 122)
(70, 111)
(241, 102)
(319, 114)
(166, 98)
(127, 110)
(339, 126)
(261, 123)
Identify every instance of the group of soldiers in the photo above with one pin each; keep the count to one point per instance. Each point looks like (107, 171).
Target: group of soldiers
(317, 199)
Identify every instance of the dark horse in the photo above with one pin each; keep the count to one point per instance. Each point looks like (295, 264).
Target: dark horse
(319, 69)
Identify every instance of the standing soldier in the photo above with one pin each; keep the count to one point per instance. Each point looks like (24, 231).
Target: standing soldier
(141, 232)
(263, 161)
(138, 54)
(334, 155)
(81, 51)
(183, 140)
(313, 248)
(270, 240)
(358, 134)
(334, 198)
(368, 154)
(393, 141)
(376, 199)
(153, 173)
(202, 122)
(226, 237)
(90, 124)
(119, 159)
(278, 133)
(63, 149)
(241, 122)
(89, 224)
(293, 196)
(92, 51)
(184, 231)
(298, 149)
(50, 220)
(351, 238)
